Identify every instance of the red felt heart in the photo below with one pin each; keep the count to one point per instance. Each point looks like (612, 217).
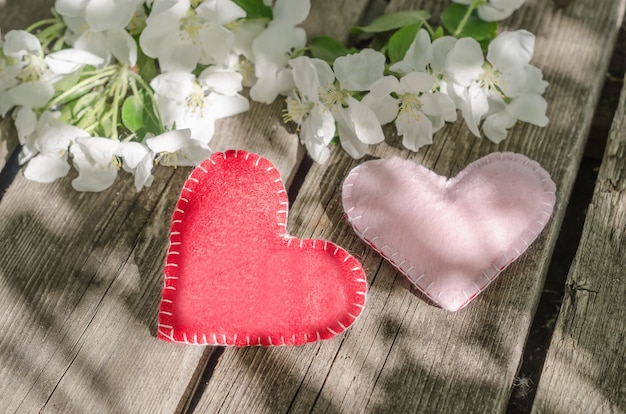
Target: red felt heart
(234, 276)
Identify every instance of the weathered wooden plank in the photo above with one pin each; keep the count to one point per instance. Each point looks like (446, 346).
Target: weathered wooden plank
(8, 140)
(404, 355)
(20, 14)
(81, 278)
(80, 285)
(584, 367)
(80, 282)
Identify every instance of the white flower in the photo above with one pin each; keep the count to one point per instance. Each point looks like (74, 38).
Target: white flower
(186, 102)
(424, 56)
(98, 26)
(27, 77)
(485, 88)
(24, 79)
(241, 58)
(273, 48)
(318, 92)
(138, 160)
(100, 15)
(96, 162)
(417, 57)
(358, 71)
(177, 148)
(181, 36)
(47, 148)
(317, 125)
(418, 110)
(494, 10)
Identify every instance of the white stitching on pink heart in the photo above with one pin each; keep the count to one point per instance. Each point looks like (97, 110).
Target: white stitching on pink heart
(404, 265)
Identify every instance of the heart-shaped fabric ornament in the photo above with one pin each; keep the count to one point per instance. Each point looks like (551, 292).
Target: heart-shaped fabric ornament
(235, 277)
(450, 237)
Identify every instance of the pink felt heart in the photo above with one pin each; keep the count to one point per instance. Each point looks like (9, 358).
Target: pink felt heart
(233, 276)
(450, 237)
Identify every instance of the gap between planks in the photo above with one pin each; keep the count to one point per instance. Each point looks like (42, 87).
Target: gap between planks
(542, 329)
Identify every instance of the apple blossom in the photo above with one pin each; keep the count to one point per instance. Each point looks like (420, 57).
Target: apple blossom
(181, 36)
(177, 148)
(46, 146)
(418, 110)
(484, 88)
(98, 27)
(273, 49)
(186, 102)
(322, 90)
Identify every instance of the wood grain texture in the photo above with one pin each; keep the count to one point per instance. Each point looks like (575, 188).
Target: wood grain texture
(8, 140)
(80, 288)
(404, 355)
(80, 280)
(19, 14)
(584, 367)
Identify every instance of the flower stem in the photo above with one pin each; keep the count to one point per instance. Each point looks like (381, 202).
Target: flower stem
(40, 23)
(429, 28)
(98, 79)
(470, 9)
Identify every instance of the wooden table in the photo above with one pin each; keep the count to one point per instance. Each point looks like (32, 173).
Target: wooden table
(80, 274)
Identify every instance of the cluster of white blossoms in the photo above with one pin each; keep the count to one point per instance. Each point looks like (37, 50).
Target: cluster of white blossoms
(112, 85)
(423, 91)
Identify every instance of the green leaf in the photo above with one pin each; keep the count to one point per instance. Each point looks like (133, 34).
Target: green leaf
(139, 117)
(255, 9)
(438, 33)
(328, 48)
(474, 27)
(146, 65)
(400, 42)
(394, 21)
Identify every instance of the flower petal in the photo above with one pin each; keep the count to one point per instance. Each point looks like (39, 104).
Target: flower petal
(419, 54)
(170, 141)
(25, 122)
(417, 82)
(32, 94)
(67, 61)
(132, 153)
(19, 42)
(511, 51)
(357, 72)
(439, 104)
(223, 106)
(309, 74)
(416, 131)
(465, 61)
(109, 14)
(224, 81)
(380, 101)
(46, 168)
(496, 126)
(122, 46)
(220, 11)
(529, 108)
(349, 140)
(91, 177)
(291, 12)
(216, 41)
